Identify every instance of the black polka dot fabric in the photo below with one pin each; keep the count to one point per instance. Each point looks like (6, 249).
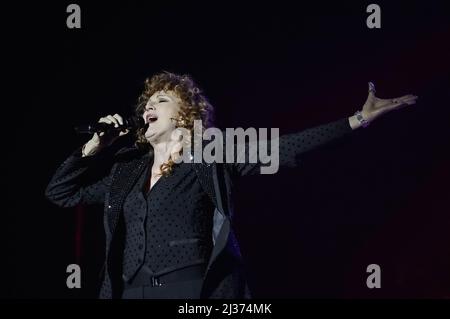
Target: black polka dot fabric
(170, 226)
(292, 146)
(81, 180)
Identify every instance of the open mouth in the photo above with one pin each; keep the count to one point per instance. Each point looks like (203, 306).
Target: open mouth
(151, 118)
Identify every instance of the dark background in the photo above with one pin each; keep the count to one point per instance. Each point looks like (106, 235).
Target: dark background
(380, 196)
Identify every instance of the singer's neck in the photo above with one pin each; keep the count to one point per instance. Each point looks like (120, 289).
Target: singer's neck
(161, 152)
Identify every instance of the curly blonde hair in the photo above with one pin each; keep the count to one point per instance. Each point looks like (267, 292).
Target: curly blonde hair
(194, 106)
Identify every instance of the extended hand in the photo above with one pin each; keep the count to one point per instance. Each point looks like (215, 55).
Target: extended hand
(375, 107)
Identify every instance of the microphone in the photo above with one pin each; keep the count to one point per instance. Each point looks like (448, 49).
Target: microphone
(131, 123)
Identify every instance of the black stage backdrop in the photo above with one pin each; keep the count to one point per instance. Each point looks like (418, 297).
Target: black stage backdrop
(379, 196)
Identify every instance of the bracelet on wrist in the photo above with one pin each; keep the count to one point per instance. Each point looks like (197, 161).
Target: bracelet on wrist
(364, 123)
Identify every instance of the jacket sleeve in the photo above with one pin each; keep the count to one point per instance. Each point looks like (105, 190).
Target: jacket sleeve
(291, 147)
(81, 180)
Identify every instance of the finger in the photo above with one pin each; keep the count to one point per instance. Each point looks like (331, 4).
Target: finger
(124, 132)
(411, 100)
(408, 100)
(119, 118)
(409, 96)
(104, 120)
(372, 90)
(398, 99)
(399, 104)
(372, 87)
(113, 120)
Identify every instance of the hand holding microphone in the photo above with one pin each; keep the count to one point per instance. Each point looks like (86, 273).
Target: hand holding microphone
(107, 130)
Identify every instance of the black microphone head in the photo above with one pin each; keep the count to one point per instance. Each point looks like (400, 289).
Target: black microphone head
(134, 122)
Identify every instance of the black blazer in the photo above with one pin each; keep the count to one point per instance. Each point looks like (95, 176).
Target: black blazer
(108, 176)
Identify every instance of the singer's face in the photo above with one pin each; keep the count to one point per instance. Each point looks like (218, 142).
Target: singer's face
(161, 110)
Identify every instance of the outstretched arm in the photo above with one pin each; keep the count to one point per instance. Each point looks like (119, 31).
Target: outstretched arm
(287, 149)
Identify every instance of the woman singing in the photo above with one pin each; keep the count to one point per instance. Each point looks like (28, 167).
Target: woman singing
(168, 223)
